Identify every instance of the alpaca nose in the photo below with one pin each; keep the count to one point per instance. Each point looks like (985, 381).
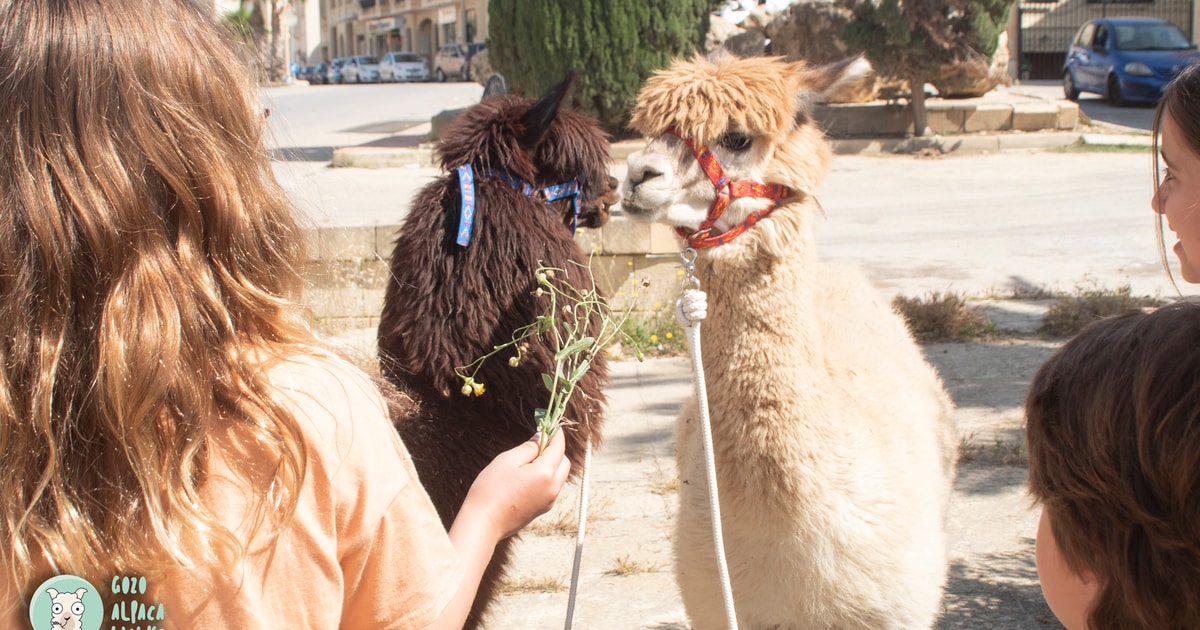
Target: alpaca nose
(639, 174)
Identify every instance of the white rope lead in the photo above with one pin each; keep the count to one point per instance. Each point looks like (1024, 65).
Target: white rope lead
(583, 502)
(690, 310)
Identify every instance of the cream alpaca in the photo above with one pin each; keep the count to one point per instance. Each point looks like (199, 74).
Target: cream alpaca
(835, 446)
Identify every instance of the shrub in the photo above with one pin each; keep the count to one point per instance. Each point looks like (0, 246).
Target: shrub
(615, 44)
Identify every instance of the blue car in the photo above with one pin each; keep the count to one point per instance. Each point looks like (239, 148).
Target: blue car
(1126, 60)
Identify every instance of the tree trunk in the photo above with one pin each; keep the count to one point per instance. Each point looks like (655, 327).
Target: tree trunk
(920, 116)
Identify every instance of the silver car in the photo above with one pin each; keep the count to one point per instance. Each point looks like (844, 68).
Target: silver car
(361, 69)
(403, 66)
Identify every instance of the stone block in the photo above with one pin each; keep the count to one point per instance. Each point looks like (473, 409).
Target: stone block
(663, 240)
(622, 235)
(1034, 116)
(1068, 116)
(612, 272)
(622, 282)
(864, 120)
(988, 117)
(385, 240)
(945, 117)
(329, 274)
(326, 303)
(590, 240)
(1039, 140)
(346, 243)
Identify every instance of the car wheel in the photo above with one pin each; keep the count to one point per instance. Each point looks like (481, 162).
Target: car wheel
(1114, 91)
(1069, 89)
(440, 76)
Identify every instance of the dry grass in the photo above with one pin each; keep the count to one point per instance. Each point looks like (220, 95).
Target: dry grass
(996, 453)
(559, 524)
(943, 316)
(624, 565)
(663, 486)
(566, 522)
(1071, 313)
(534, 584)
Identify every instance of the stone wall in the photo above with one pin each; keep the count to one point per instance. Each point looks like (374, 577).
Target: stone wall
(347, 270)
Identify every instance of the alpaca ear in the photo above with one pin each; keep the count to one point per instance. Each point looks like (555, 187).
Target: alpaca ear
(539, 116)
(823, 84)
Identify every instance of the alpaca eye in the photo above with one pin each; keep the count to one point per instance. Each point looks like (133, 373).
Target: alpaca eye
(735, 141)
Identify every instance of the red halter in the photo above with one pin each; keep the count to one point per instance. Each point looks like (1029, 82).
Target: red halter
(727, 191)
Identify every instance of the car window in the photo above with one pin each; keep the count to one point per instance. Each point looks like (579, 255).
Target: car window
(1084, 38)
(408, 57)
(369, 60)
(1101, 40)
(1163, 37)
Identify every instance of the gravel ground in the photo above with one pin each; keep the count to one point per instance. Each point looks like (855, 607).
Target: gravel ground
(626, 576)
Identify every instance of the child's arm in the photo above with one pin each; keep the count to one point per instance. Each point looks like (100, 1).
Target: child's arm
(515, 488)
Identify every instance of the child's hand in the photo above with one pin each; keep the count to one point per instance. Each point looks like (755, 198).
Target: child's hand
(519, 485)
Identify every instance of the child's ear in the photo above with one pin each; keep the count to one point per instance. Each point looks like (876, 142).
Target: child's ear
(1088, 578)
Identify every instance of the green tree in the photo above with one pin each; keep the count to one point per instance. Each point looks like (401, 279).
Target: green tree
(614, 44)
(912, 39)
(261, 25)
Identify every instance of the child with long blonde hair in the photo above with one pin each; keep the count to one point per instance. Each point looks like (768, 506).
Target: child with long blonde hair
(164, 409)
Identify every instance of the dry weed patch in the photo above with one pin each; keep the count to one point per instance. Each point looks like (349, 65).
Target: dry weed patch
(1071, 313)
(971, 450)
(533, 584)
(943, 316)
(624, 565)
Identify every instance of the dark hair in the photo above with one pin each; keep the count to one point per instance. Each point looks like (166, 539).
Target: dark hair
(1181, 97)
(1113, 429)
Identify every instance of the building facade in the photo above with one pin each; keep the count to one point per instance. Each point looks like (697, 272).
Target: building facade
(375, 27)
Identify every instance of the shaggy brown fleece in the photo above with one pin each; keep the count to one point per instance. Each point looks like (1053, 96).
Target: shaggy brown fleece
(446, 305)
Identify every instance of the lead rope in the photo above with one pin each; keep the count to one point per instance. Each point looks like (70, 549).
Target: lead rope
(690, 310)
(583, 502)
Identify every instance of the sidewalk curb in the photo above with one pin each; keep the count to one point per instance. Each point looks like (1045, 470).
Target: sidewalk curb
(422, 156)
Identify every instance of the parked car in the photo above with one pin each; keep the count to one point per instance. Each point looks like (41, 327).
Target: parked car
(449, 61)
(333, 71)
(318, 74)
(306, 73)
(1126, 59)
(472, 50)
(361, 69)
(403, 66)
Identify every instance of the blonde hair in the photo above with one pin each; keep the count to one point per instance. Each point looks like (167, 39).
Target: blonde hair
(147, 262)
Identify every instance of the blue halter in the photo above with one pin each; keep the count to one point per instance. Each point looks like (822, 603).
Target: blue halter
(466, 188)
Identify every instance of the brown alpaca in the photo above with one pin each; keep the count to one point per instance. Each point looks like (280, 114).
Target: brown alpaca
(448, 304)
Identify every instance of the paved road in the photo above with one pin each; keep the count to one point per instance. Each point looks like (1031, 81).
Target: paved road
(973, 223)
(1093, 106)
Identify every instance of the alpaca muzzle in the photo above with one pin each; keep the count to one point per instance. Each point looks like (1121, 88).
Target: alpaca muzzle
(727, 191)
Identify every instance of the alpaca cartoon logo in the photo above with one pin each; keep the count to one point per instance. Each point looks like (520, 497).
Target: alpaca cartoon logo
(66, 602)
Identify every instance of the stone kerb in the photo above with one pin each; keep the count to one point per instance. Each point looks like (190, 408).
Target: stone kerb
(347, 269)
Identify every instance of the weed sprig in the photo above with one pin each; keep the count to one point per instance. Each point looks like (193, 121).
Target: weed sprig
(564, 323)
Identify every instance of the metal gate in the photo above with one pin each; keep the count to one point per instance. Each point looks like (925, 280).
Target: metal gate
(1046, 27)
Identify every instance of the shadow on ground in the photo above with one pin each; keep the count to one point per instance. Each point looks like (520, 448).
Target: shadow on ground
(996, 591)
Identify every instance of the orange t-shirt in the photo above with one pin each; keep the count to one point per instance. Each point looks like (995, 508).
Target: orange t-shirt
(365, 548)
